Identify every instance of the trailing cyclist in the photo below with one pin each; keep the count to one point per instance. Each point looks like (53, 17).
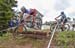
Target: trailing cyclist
(63, 19)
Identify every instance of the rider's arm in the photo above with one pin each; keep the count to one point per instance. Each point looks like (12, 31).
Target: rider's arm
(57, 17)
(28, 16)
(21, 14)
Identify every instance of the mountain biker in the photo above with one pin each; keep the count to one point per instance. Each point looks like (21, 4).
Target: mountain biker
(24, 11)
(27, 13)
(63, 19)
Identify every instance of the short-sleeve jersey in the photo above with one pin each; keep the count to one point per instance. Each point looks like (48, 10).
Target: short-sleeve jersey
(63, 16)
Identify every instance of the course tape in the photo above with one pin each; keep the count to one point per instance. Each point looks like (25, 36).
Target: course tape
(49, 44)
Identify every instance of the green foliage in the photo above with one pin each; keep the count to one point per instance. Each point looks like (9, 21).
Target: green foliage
(5, 37)
(5, 12)
(65, 39)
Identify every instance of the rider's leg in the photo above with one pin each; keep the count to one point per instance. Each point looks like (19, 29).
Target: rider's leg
(62, 27)
(63, 24)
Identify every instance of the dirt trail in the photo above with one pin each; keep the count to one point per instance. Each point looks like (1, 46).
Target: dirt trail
(25, 42)
(26, 46)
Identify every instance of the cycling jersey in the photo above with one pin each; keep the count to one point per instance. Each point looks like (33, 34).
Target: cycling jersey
(26, 11)
(63, 16)
(27, 14)
(33, 12)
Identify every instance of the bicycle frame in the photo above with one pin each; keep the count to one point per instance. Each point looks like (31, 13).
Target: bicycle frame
(60, 26)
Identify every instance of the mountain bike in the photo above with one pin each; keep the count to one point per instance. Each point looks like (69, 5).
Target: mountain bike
(59, 26)
(23, 26)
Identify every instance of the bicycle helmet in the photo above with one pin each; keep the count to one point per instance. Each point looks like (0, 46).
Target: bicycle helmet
(62, 12)
(23, 8)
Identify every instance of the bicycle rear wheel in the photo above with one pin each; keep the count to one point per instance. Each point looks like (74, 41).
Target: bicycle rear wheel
(66, 27)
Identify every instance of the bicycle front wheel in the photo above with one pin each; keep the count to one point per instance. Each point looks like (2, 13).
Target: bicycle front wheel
(18, 31)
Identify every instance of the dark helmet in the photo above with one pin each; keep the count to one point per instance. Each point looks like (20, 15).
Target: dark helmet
(23, 8)
(62, 12)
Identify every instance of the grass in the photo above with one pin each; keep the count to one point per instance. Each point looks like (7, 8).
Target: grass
(65, 39)
(5, 37)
